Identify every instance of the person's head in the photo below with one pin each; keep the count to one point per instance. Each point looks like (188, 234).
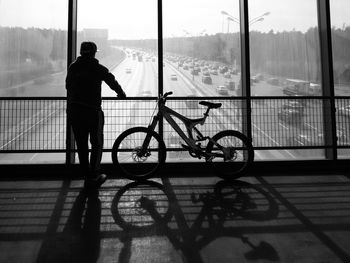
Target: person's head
(88, 49)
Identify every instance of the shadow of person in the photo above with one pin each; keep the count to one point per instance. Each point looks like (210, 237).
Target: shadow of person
(91, 235)
(80, 239)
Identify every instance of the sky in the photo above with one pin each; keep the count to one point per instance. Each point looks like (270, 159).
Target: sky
(137, 19)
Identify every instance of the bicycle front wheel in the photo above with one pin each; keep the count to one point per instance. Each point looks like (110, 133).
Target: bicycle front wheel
(232, 153)
(134, 162)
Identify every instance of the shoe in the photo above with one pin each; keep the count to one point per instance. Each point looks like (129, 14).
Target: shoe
(95, 182)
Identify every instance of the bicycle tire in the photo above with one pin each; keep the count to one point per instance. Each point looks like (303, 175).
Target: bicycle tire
(246, 200)
(233, 168)
(128, 212)
(126, 160)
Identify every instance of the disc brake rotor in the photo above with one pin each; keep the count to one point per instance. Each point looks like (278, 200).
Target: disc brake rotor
(140, 158)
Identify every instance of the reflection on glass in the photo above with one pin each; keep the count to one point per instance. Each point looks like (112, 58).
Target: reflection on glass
(33, 47)
(340, 22)
(126, 35)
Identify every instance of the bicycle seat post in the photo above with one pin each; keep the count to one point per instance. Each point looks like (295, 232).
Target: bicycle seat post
(206, 113)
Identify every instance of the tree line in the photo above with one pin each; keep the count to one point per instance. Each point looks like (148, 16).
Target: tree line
(291, 54)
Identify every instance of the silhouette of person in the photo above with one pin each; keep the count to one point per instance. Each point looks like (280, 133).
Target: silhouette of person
(83, 84)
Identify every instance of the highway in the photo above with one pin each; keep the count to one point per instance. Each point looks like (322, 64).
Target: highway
(45, 126)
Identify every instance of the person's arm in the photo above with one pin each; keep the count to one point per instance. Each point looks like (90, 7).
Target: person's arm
(113, 83)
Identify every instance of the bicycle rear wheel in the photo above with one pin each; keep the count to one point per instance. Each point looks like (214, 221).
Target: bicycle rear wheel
(235, 155)
(128, 157)
(249, 201)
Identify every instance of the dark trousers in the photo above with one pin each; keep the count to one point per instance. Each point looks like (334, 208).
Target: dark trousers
(88, 122)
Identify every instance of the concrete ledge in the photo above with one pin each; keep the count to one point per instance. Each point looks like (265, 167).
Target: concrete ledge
(280, 168)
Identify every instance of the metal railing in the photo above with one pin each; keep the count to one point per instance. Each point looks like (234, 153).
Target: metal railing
(39, 124)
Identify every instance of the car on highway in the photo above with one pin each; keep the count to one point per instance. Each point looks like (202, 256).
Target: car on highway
(191, 104)
(227, 75)
(128, 70)
(254, 79)
(230, 84)
(185, 67)
(273, 81)
(233, 71)
(214, 72)
(290, 116)
(294, 105)
(259, 77)
(222, 90)
(194, 71)
(146, 93)
(223, 69)
(173, 77)
(173, 142)
(344, 110)
(207, 80)
(205, 73)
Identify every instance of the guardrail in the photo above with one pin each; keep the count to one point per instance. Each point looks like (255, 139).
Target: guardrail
(36, 124)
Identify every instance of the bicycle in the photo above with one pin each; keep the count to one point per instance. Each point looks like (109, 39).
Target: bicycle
(229, 151)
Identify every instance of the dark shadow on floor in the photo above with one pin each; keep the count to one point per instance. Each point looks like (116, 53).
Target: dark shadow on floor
(154, 204)
(80, 239)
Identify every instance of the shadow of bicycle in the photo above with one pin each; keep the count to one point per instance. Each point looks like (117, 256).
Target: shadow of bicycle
(193, 217)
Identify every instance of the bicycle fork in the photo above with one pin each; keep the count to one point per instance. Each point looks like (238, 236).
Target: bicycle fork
(144, 148)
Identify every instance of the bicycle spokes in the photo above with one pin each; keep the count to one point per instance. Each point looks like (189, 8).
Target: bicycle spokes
(139, 155)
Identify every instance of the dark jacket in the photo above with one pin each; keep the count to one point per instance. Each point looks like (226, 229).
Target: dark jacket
(84, 79)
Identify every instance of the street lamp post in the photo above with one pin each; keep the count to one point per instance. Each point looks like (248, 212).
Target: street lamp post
(236, 20)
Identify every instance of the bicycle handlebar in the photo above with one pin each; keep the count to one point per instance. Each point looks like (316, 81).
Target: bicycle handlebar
(166, 94)
(162, 99)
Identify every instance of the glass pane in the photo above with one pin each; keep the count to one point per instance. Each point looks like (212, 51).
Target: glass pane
(285, 61)
(126, 38)
(202, 48)
(33, 47)
(201, 59)
(340, 22)
(284, 51)
(33, 62)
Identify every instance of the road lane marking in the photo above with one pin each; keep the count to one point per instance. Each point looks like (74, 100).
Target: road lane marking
(48, 143)
(312, 127)
(283, 126)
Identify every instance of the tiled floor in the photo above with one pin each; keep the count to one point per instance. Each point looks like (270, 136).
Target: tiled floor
(257, 219)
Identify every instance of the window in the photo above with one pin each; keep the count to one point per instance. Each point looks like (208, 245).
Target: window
(201, 52)
(33, 61)
(285, 61)
(33, 48)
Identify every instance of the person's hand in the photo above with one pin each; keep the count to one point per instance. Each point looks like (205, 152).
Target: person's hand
(122, 95)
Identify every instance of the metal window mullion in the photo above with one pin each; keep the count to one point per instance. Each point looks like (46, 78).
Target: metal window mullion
(71, 55)
(245, 69)
(160, 62)
(329, 125)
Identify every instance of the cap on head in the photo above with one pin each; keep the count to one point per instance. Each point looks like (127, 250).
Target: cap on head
(88, 48)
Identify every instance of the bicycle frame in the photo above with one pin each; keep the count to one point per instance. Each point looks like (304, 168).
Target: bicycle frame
(190, 124)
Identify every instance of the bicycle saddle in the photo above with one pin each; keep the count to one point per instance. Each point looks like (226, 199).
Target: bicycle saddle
(211, 105)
